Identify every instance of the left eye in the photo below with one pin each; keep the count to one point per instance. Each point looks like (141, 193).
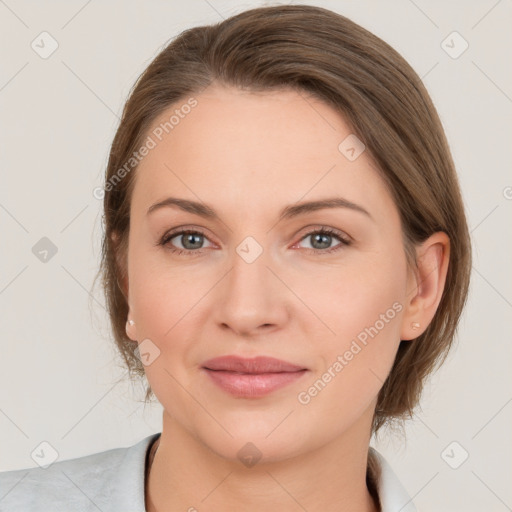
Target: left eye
(324, 237)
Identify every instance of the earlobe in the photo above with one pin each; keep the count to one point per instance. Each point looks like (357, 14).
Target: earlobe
(130, 330)
(426, 287)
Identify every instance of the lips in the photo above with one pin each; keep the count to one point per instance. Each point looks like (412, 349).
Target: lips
(252, 378)
(256, 365)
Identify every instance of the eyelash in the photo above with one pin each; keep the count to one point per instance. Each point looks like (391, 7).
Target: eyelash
(196, 252)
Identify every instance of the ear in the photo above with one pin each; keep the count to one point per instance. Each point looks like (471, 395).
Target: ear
(425, 284)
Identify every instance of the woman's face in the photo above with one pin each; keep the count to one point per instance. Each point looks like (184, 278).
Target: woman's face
(253, 282)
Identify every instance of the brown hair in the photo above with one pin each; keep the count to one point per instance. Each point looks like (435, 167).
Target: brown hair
(316, 51)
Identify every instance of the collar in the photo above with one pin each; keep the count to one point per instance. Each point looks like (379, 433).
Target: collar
(127, 485)
(392, 494)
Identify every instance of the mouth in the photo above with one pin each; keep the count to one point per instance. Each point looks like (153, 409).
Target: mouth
(251, 378)
(260, 364)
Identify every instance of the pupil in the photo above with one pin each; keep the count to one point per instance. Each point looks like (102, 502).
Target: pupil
(190, 238)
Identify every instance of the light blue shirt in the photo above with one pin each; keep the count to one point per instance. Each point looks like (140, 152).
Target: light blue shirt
(113, 481)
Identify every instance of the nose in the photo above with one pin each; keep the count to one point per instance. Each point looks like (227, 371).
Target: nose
(252, 299)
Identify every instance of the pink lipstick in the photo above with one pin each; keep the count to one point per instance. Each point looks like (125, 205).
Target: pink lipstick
(251, 378)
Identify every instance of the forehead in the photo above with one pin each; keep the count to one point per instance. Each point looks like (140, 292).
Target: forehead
(253, 151)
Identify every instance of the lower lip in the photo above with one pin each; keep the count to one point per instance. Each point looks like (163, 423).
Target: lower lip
(255, 385)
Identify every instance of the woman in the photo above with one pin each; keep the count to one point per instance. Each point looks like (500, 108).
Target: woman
(286, 258)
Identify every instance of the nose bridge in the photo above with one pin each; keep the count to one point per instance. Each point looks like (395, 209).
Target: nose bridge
(249, 279)
(251, 292)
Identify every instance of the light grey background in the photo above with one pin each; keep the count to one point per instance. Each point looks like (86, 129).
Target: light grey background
(59, 372)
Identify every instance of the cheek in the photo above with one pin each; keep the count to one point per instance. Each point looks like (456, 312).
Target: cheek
(161, 297)
(163, 300)
(363, 302)
(362, 306)
(354, 362)
(351, 297)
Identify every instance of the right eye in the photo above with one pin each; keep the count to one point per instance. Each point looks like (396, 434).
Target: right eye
(189, 240)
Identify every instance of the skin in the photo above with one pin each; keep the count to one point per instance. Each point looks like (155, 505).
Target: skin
(248, 155)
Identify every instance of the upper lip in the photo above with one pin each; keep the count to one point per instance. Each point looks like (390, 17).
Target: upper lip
(260, 364)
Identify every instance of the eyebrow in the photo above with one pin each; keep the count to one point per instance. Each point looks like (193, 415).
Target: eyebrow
(204, 210)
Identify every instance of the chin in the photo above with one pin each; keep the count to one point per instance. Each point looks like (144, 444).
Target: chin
(252, 448)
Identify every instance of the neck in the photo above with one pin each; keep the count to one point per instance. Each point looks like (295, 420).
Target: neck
(330, 478)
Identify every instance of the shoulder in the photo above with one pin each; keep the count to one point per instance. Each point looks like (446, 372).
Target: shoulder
(109, 480)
